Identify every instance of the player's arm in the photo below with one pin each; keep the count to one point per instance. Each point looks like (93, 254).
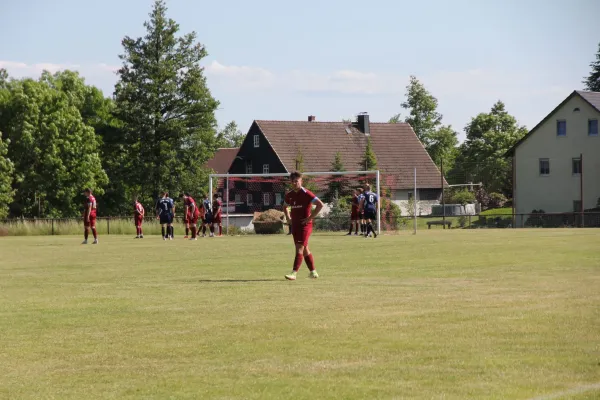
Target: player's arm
(88, 211)
(362, 204)
(315, 211)
(286, 212)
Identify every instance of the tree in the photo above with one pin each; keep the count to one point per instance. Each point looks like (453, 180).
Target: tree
(6, 177)
(231, 136)
(481, 156)
(336, 186)
(592, 82)
(369, 160)
(307, 182)
(166, 108)
(55, 154)
(439, 141)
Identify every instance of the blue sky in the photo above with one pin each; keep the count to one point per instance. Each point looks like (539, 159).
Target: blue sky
(333, 59)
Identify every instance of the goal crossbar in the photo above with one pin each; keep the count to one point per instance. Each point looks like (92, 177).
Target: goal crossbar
(334, 173)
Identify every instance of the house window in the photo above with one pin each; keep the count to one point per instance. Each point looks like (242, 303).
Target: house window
(593, 127)
(248, 166)
(256, 140)
(266, 199)
(561, 128)
(238, 199)
(544, 166)
(577, 205)
(278, 198)
(249, 199)
(576, 166)
(265, 168)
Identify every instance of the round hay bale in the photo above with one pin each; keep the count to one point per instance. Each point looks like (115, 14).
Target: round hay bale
(268, 222)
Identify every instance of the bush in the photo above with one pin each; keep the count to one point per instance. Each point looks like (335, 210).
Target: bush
(497, 200)
(391, 214)
(536, 219)
(482, 198)
(461, 197)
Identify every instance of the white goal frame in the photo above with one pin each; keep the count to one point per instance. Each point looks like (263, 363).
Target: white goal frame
(332, 173)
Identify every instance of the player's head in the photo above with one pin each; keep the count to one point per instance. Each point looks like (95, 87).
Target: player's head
(87, 191)
(367, 187)
(165, 195)
(216, 196)
(296, 179)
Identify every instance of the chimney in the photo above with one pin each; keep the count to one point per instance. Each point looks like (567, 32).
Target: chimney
(311, 118)
(363, 123)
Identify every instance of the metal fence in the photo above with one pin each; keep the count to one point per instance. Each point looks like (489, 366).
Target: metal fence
(125, 226)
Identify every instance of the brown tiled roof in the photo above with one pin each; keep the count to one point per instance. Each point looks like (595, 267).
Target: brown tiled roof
(222, 160)
(397, 148)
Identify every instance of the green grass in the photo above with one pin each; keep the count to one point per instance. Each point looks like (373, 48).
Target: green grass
(497, 211)
(440, 315)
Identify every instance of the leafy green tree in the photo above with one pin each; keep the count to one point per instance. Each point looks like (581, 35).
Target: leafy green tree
(231, 136)
(307, 181)
(336, 185)
(6, 177)
(592, 82)
(55, 154)
(440, 141)
(369, 160)
(481, 156)
(166, 108)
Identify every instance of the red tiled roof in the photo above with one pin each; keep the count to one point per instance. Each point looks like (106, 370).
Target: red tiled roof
(222, 160)
(397, 148)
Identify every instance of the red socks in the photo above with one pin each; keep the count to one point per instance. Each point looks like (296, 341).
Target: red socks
(310, 262)
(297, 262)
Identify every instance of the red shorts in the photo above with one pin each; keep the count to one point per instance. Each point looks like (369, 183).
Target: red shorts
(354, 215)
(138, 219)
(91, 222)
(193, 219)
(301, 233)
(217, 219)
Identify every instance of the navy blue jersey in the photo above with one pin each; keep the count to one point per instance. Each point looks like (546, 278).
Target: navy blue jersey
(207, 207)
(370, 201)
(165, 206)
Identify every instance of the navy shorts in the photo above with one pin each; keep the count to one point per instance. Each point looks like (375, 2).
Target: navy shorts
(370, 214)
(166, 218)
(208, 218)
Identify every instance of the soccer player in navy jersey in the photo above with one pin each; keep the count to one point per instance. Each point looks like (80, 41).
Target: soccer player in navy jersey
(301, 200)
(361, 212)
(207, 219)
(165, 212)
(369, 204)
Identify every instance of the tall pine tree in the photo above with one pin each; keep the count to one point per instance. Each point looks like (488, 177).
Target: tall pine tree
(166, 108)
(592, 82)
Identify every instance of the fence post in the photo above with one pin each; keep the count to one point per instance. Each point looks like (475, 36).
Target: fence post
(52, 226)
(108, 226)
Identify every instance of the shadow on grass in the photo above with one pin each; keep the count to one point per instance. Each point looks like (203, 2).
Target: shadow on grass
(236, 280)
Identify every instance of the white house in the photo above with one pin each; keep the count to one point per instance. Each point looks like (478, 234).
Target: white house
(556, 166)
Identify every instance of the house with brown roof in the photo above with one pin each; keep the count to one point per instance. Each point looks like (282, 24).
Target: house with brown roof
(556, 166)
(222, 160)
(276, 146)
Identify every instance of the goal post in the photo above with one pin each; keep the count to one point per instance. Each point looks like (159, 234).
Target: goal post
(321, 181)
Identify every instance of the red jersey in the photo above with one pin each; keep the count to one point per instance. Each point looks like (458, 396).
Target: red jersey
(139, 208)
(355, 203)
(217, 207)
(192, 208)
(90, 203)
(301, 203)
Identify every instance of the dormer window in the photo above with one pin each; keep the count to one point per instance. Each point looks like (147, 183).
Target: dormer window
(256, 140)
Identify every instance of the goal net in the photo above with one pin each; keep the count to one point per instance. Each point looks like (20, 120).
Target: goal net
(247, 196)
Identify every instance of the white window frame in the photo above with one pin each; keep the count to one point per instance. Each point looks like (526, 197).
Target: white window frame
(266, 199)
(238, 198)
(590, 126)
(265, 168)
(558, 121)
(249, 199)
(256, 140)
(248, 166)
(540, 166)
(278, 199)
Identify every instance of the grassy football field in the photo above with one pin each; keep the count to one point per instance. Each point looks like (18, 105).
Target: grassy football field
(460, 314)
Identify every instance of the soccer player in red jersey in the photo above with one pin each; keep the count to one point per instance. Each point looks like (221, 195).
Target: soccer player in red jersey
(216, 209)
(301, 201)
(89, 216)
(138, 218)
(191, 214)
(354, 217)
